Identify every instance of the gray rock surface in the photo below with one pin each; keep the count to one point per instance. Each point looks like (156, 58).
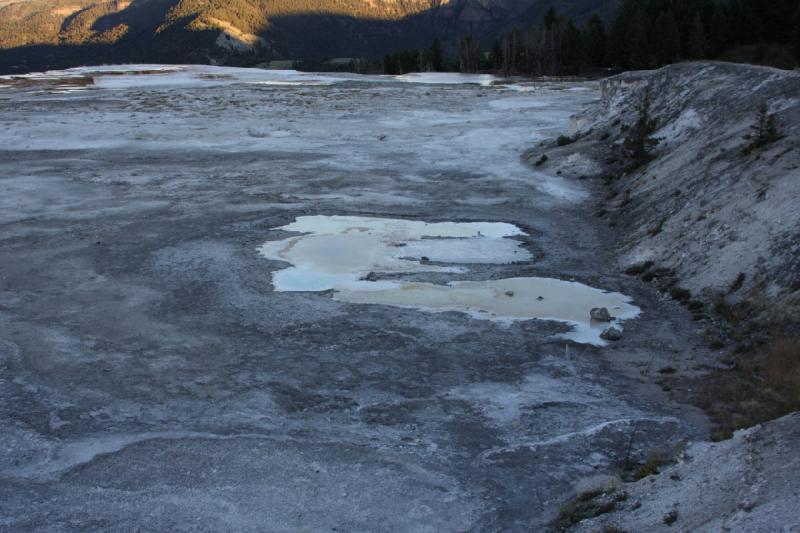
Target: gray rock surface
(704, 208)
(750, 483)
(151, 379)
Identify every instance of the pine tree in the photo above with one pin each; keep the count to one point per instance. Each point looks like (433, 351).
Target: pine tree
(639, 143)
(766, 130)
(637, 43)
(551, 19)
(469, 55)
(615, 49)
(697, 39)
(796, 36)
(668, 38)
(571, 50)
(719, 33)
(496, 56)
(512, 55)
(436, 56)
(595, 43)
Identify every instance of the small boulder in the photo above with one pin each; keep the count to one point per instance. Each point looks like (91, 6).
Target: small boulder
(611, 334)
(510, 294)
(600, 314)
(425, 260)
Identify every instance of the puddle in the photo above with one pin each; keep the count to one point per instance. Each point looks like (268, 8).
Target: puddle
(505, 300)
(338, 250)
(339, 253)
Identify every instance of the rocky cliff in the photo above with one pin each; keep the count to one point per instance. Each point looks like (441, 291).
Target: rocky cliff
(710, 217)
(713, 219)
(747, 484)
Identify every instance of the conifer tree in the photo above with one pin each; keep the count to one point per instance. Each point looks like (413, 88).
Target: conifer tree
(551, 18)
(496, 56)
(697, 39)
(512, 55)
(469, 55)
(595, 42)
(436, 56)
(796, 36)
(571, 50)
(719, 33)
(637, 49)
(639, 143)
(668, 38)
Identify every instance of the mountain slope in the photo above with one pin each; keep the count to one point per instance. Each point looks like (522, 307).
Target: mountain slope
(52, 33)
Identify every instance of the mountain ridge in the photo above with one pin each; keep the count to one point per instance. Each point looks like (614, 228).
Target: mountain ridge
(59, 33)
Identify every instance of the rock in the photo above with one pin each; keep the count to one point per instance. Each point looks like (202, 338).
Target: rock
(717, 475)
(600, 314)
(611, 334)
(747, 505)
(670, 517)
(540, 298)
(424, 260)
(510, 294)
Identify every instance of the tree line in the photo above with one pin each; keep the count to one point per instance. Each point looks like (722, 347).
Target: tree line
(644, 34)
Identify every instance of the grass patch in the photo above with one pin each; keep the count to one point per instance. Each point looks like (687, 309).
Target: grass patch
(587, 505)
(639, 268)
(762, 385)
(563, 140)
(738, 282)
(680, 294)
(650, 467)
(781, 364)
(658, 228)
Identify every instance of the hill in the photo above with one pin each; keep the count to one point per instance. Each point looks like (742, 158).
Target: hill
(36, 34)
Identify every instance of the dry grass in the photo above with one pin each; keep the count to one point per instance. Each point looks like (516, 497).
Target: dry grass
(781, 364)
(762, 386)
(587, 505)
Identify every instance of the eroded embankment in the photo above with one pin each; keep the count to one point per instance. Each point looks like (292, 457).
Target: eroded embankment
(712, 221)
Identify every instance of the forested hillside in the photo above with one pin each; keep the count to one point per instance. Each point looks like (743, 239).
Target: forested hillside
(54, 33)
(394, 36)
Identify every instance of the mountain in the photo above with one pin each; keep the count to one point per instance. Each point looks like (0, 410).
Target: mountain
(36, 34)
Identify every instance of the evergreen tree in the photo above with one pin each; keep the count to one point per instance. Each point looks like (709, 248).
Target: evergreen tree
(551, 18)
(719, 33)
(496, 56)
(796, 36)
(615, 50)
(389, 64)
(512, 55)
(668, 38)
(571, 50)
(595, 43)
(469, 55)
(639, 143)
(766, 130)
(548, 46)
(436, 56)
(637, 43)
(697, 39)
